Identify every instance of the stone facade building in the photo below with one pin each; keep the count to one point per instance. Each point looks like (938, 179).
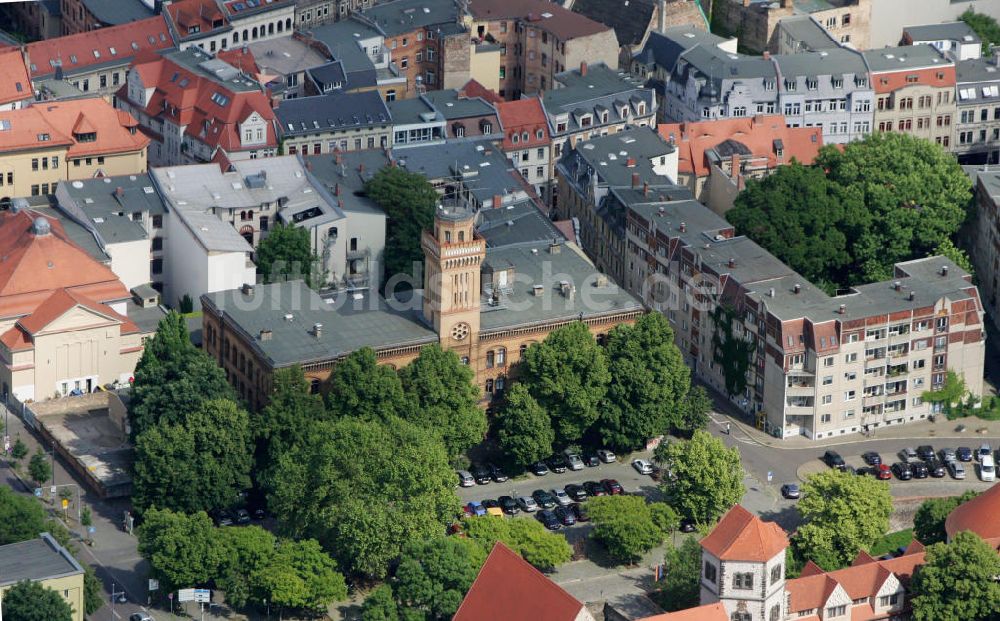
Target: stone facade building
(756, 22)
(977, 117)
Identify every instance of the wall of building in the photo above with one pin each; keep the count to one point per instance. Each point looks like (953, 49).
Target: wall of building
(191, 270)
(484, 67)
(370, 137)
(70, 588)
(889, 17)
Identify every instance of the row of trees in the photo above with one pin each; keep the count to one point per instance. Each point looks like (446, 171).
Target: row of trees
(571, 388)
(859, 209)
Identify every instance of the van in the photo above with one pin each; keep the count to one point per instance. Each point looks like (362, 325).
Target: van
(987, 469)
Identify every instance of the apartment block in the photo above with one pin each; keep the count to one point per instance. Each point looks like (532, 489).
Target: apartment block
(957, 40)
(977, 119)
(361, 61)
(985, 251)
(915, 92)
(198, 108)
(51, 142)
(847, 21)
(527, 142)
(214, 25)
(314, 12)
(334, 122)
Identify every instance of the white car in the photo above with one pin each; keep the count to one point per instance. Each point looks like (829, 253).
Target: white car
(574, 461)
(606, 456)
(985, 450)
(987, 469)
(642, 466)
(562, 498)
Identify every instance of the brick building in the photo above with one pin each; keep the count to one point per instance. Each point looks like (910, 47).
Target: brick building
(86, 15)
(847, 21)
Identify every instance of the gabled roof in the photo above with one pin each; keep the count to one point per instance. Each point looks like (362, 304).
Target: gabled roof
(978, 515)
(550, 16)
(523, 115)
(112, 46)
(57, 305)
(629, 19)
(507, 587)
(196, 18)
(740, 535)
(46, 124)
(15, 83)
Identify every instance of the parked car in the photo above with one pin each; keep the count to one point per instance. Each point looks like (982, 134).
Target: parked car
(935, 468)
(872, 458)
(576, 492)
(907, 454)
(562, 498)
(863, 471)
(475, 508)
(688, 525)
(139, 616)
(539, 469)
(606, 456)
(834, 460)
(902, 470)
(987, 469)
(465, 478)
(544, 499)
(490, 503)
(223, 518)
(882, 472)
(565, 516)
(497, 474)
(557, 464)
(579, 512)
(947, 454)
(791, 491)
(508, 505)
(574, 461)
(956, 469)
(258, 513)
(590, 460)
(925, 451)
(481, 474)
(985, 450)
(614, 487)
(242, 517)
(527, 504)
(963, 453)
(595, 489)
(549, 519)
(642, 466)
(920, 470)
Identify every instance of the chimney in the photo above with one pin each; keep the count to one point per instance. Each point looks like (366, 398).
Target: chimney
(602, 280)
(767, 55)
(645, 189)
(662, 11)
(786, 4)
(944, 270)
(635, 180)
(734, 165)
(770, 292)
(797, 288)
(554, 247)
(911, 295)
(898, 286)
(119, 191)
(336, 189)
(317, 330)
(247, 288)
(583, 69)
(684, 227)
(660, 211)
(497, 201)
(843, 309)
(732, 263)
(265, 335)
(361, 168)
(630, 162)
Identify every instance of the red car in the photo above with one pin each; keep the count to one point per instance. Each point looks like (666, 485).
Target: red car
(883, 472)
(614, 487)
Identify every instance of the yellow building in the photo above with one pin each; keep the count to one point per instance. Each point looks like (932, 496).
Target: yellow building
(44, 561)
(49, 142)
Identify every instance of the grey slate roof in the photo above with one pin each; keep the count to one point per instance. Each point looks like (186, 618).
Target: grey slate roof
(358, 167)
(712, 62)
(334, 111)
(520, 223)
(451, 106)
(838, 61)
(608, 157)
(400, 16)
(36, 559)
(285, 55)
(412, 111)
(905, 57)
(629, 18)
(484, 170)
(114, 12)
(100, 197)
(976, 70)
(664, 48)
(197, 61)
(809, 35)
(949, 31)
(601, 82)
(290, 310)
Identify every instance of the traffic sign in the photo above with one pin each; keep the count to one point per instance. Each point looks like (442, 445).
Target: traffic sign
(65, 503)
(154, 584)
(52, 490)
(202, 595)
(185, 595)
(38, 492)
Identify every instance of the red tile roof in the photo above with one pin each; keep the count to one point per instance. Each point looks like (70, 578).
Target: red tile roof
(473, 88)
(57, 305)
(978, 515)
(520, 116)
(47, 124)
(98, 46)
(562, 23)
(509, 589)
(15, 83)
(756, 133)
(740, 535)
(708, 612)
(196, 17)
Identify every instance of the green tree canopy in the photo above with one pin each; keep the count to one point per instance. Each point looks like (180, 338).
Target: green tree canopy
(380, 605)
(180, 547)
(40, 468)
(649, 383)
(681, 585)
(364, 488)
(543, 549)
(409, 201)
(286, 254)
(524, 430)
(93, 591)
(842, 515)
(568, 375)
(201, 464)
(21, 517)
(985, 26)
(242, 554)
(30, 601)
(363, 388)
(703, 478)
(928, 522)
(625, 525)
(301, 576)
(173, 378)
(960, 257)
(957, 581)
(289, 413)
(434, 575)
(693, 411)
(444, 397)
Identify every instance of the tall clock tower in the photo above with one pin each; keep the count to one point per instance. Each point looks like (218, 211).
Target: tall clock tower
(453, 258)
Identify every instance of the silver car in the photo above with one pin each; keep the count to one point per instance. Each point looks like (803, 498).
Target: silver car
(527, 504)
(642, 466)
(574, 461)
(465, 478)
(562, 498)
(956, 469)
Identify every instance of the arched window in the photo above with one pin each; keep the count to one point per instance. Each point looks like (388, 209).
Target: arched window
(281, 26)
(253, 32)
(246, 34)
(250, 215)
(489, 386)
(236, 37)
(461, 236)
(243, 215)
(314, 386)
(270, 29)
(490, 357)
(288, 24)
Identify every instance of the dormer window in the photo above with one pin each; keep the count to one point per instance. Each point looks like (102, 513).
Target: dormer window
(812, 84)
(769, 85)
(486, 127)
(525, 137)
(837, 82)
(515, 138)
(604, 117)
(790, 85)
(539, 134)
(194, 29)
(459, 130)
(641, 109)
(586, 120)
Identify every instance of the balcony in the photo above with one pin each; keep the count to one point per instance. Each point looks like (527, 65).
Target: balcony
(353, 255)
(799, 410)
(800, 390)
(871, 401)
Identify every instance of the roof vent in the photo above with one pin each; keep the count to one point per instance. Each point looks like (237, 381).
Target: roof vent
(732, 263)
(770, 292)
(684, 227)
(602, 280)
(911, 295)
(40, 227)
(538, 290)
(797, 288)
(317, 330)
(843, 309)
(247, 288)
(944, 270)
(18, 204)
(898, 286)
(554, 248)
(288, 316)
